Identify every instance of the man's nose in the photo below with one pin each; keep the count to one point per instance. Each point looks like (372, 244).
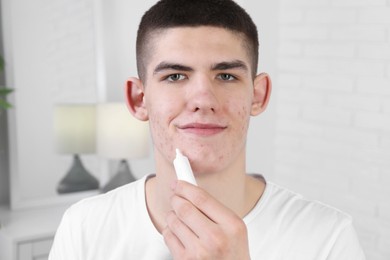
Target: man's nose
(202, 95)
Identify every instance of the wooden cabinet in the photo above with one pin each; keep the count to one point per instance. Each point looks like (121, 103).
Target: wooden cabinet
(28, 234)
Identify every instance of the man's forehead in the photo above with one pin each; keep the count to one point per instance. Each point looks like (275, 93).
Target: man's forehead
(174, 44)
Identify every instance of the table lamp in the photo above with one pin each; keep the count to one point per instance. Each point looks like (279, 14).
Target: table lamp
(120, 136)
(75, 133)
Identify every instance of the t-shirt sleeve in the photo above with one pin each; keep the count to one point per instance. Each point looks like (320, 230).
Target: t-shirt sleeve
(347, 246)
(64, 240)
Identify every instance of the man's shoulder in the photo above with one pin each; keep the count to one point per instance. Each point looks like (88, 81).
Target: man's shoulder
(302, 227)
(294, 208)
(120, 199)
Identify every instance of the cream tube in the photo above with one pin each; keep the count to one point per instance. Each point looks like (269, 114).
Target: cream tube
(183, 168)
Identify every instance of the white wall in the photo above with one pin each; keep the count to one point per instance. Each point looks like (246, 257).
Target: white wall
(50, 55)
(333, 113)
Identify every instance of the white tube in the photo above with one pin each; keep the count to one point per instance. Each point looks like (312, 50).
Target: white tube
(183, 168)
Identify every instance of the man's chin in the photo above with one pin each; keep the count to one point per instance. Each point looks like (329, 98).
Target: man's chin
(204, 170)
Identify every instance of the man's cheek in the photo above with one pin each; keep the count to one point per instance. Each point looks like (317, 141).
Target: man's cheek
(160, 135)
(244, 116)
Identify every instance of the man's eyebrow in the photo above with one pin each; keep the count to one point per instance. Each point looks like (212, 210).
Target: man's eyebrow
(226, 65)
(171, 66)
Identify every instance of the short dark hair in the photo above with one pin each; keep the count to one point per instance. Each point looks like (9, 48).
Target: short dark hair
(167, 14)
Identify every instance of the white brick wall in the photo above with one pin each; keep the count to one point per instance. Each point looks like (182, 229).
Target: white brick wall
(50, 51)
(70, 50)
(333, 107)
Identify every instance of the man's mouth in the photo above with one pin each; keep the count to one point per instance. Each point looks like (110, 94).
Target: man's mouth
(203, 129)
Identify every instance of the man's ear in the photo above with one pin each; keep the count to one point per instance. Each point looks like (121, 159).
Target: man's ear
(262, 91)
(135, 99)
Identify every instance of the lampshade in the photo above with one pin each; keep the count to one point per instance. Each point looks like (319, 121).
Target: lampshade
(75, 128)
(119, 134)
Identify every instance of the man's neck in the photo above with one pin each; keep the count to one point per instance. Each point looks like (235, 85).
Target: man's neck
(233, 188)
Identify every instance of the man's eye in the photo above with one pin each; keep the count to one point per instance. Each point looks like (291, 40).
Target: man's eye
(226, 77)
(175, 77)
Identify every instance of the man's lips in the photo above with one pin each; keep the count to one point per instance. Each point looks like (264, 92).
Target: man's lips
(202, 128)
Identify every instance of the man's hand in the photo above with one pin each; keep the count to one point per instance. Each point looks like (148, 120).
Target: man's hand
(199, 227)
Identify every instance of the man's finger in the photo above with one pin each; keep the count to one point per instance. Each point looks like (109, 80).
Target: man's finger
(209, 206)
(182, 231)
(191, 216)
(173, 243)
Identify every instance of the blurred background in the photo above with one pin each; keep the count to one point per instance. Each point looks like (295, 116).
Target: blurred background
(326, 133)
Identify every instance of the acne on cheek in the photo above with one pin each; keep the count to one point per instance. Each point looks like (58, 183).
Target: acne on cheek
(242, 112)
(161, 139)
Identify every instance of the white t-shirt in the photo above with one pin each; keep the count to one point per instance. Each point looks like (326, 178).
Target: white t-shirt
(282, 225)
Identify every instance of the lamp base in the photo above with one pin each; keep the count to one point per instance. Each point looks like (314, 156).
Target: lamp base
(122, 177)
(77, 179)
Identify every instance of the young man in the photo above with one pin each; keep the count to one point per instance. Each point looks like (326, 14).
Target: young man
(198, 87)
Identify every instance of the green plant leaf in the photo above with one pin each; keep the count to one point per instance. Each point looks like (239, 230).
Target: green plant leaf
(4, 104)
(5, 91)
